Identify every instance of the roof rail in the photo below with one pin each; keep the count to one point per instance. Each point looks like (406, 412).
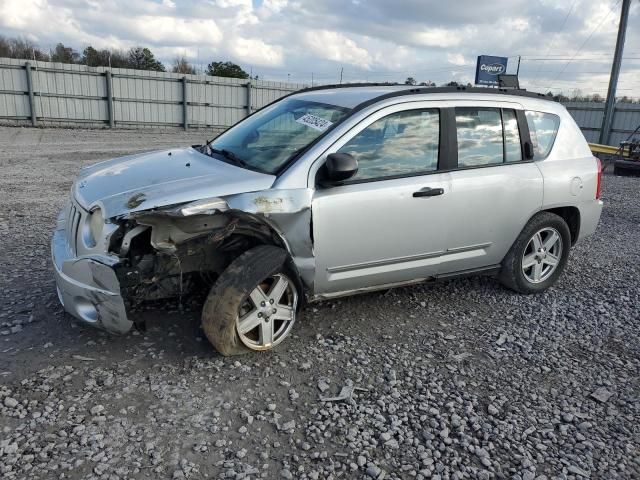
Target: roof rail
(416, 90)
(347, 85)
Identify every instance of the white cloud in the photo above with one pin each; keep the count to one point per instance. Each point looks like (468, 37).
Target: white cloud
(457, 59)
(337, 47)
(375, 40)
(166, 29)
(23, 15)
(436, 37)
(274, 6)
(256, 52)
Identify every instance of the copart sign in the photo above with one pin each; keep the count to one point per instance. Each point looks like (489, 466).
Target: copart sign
(488, 68)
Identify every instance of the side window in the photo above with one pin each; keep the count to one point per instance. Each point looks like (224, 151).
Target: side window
(479, 133)
(543, 128)
(512, 145)
(487, 136)
(402, 143)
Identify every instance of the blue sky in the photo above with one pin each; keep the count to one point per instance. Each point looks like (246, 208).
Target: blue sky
(565, 45)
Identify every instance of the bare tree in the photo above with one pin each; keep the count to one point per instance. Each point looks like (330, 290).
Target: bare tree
(181, 65)
(5, 47)
(21, 48)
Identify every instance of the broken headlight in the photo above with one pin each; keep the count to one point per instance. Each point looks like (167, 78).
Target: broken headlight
(207, 206)
(93, 225)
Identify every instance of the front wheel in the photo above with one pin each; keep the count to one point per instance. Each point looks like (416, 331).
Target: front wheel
(538, 256)
(253, 305)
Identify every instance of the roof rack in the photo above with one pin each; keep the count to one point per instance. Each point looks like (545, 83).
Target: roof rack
(423, 90)
(348, 85)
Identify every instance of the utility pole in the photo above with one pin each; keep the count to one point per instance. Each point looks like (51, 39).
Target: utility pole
(341, 70)
(609, 106)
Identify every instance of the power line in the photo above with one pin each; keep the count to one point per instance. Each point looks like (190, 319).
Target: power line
(585, 42)
(574, 58)
(564, 22)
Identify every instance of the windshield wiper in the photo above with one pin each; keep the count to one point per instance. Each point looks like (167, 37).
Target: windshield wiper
(229, 155)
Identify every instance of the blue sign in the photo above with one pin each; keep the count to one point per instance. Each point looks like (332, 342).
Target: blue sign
(488, 69)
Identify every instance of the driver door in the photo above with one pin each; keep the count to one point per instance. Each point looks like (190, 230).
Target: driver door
(385, 225)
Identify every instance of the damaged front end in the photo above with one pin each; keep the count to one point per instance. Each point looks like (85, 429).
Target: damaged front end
(172, 251)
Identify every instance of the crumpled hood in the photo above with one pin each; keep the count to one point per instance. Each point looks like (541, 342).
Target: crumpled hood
(158, 179)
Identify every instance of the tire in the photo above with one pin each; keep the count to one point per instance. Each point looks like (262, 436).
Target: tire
(254, 274)
(523, 280)
(627, 168)
(619, 171)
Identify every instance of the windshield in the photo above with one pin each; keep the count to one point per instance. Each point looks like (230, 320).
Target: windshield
(268, 139)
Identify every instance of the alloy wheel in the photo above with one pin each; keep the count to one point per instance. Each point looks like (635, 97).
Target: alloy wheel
(542, 255)
(267, 315)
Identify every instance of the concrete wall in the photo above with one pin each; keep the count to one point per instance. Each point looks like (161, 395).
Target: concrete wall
(76, 95)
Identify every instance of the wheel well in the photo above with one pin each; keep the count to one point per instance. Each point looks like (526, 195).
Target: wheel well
(571, 215)
(194, 262)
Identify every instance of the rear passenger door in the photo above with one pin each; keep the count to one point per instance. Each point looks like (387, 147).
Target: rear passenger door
(494, 188)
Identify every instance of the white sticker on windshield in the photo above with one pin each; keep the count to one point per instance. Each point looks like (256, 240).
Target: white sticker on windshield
(314, 122)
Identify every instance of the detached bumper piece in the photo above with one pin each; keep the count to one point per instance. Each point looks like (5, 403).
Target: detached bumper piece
(87, 286)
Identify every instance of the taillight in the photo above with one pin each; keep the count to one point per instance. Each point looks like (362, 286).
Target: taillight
(599, 185)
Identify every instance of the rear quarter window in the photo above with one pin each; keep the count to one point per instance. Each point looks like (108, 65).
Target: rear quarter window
(543, 128)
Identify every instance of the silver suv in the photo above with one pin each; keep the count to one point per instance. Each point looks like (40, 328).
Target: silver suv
(330, 192)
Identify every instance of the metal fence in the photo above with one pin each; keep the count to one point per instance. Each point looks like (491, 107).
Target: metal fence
(588, 115)
(58, 94)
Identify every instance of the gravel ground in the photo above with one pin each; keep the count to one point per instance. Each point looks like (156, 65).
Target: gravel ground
(463, 379)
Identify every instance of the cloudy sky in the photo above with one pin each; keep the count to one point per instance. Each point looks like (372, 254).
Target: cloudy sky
(565, 45)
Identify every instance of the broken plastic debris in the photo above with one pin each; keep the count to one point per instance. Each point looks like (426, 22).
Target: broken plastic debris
(346, 394)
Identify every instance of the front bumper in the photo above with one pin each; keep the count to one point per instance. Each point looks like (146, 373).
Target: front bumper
(87, 285)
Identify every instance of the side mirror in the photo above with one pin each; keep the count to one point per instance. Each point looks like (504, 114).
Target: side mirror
(528, 150)
(341, 166)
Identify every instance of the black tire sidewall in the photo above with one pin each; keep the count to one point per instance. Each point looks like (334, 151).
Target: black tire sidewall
(221, 307)
(512, 274)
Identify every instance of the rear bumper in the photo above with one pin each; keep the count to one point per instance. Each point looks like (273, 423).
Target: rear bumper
(87, 286)
(589, 218)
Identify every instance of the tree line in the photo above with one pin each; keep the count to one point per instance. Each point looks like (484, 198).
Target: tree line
(139, 58)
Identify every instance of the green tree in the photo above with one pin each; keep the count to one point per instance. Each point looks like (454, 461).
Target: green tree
(104, 58)
(94, 58)
(64, 54)
(142, 59)
(181, 65)
(226, 69)
(410, 81)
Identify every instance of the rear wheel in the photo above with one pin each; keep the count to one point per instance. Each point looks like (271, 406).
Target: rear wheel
(538, 256)
(253, 305)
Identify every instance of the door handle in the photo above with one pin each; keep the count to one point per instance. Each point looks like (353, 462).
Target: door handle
(429, 192)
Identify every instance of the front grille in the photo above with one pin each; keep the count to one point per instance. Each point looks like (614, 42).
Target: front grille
(73, 223)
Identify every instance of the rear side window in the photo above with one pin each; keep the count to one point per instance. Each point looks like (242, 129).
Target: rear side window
(543, 128)
(487, 136)
(512, 148)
